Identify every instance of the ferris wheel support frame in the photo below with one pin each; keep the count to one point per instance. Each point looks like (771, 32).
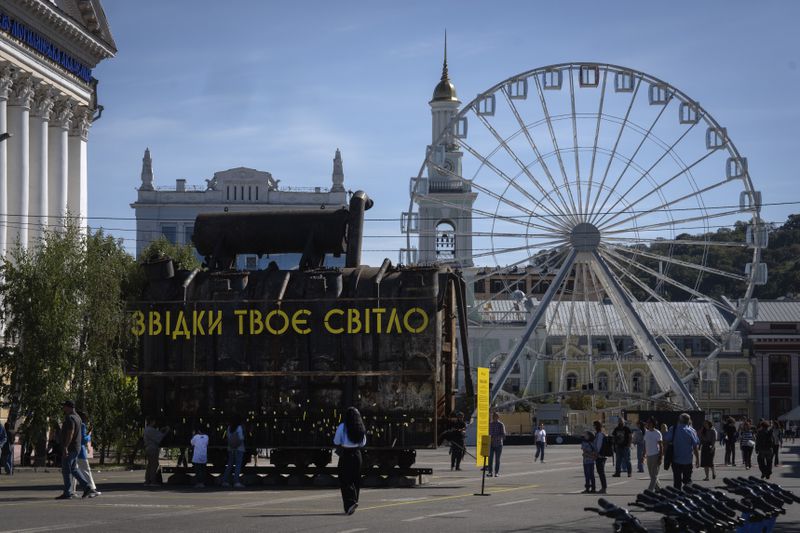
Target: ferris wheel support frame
(664, 373)
(538, 314)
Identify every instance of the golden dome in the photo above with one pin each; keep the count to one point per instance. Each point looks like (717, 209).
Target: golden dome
(445, 91)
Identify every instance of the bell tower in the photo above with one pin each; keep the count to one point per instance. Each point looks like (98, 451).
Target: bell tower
(445, 199)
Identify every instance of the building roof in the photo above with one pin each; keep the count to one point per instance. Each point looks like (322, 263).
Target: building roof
(90, 15)
(777, 311)
(674, 319)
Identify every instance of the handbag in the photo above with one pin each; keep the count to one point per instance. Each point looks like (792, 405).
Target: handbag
(668, 455)
(750, 444)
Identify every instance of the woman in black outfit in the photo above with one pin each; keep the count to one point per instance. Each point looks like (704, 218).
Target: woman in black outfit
(351, 436)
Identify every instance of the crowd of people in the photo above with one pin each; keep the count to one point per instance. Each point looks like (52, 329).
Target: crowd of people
(680, 447)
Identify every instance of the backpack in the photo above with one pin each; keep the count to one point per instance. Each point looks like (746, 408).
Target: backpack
(606, 449)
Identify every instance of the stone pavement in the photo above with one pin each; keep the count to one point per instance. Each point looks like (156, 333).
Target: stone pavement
(526, 497)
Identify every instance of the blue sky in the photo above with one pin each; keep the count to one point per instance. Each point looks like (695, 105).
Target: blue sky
(279, 86)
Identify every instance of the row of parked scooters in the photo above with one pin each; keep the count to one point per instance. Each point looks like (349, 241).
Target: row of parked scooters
(697, 509)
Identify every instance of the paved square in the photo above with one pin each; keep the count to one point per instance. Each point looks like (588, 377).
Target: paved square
(526, 497)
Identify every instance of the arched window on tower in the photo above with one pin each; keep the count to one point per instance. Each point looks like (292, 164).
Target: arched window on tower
(445, 241)
(636, 382)
(572, 381)
(602, 381)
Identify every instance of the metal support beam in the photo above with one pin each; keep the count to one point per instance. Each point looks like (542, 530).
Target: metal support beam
(505, 369)
(663, 371)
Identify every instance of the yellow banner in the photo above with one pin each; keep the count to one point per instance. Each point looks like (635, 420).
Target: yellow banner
(483, 415)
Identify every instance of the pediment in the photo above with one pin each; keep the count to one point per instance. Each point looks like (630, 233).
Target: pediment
(244, 175)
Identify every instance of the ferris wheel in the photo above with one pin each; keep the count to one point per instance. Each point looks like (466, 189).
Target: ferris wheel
(620, 194)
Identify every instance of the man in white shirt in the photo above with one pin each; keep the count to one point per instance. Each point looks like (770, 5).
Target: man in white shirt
(200, 457)
(654, 450)
(540, 439)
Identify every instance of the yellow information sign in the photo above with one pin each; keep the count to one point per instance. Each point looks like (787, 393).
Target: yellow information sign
(483, 415)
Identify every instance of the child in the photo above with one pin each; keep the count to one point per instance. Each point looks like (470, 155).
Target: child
(589, 456)
(200, 457)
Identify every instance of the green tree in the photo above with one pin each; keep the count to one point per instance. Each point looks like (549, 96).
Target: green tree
(66, 332)
(182, 255)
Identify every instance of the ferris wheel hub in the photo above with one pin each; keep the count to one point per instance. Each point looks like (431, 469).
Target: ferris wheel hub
(585, 237)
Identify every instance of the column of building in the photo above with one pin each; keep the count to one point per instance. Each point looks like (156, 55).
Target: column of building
(39, 191)
(43, 164)
(77, 198)
(6, 74)
(58, 171)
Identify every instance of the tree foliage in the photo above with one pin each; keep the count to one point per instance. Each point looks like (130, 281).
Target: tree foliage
(183, 256)
(781, 257)
(66, 331)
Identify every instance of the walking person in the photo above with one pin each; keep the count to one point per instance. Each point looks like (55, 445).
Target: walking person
(731, 437)
(589, 456)
(600, 460)
(747, 443)
(777, 432)
(199, 444)
(685, 444)
(83, 455)
(637, 438)
(152, 437)
(540, 439)
(457, 436)
(351, 436)
(235, 438)
(71, 444)
(621, 437)
(654, 451)
(7, 449)
(765, 440)
(497, 432)
(708, 443)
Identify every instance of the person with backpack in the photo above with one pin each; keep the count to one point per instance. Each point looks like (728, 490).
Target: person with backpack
(685, 444)
(654, 451)
(765, 440)
(731, 436)
(235, 438)
(604, 450)
(747, 443)
(622, 447)
(350, 437)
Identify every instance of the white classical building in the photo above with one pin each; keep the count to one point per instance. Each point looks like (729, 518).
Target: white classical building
(48, 100)
(170, 211)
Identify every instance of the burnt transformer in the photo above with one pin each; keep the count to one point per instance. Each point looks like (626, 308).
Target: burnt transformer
(288, 351)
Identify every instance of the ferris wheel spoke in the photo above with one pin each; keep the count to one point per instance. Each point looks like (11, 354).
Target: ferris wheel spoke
(578, 193)
(550, 262)
(674, 261)
(681, 317)
(610, 216)
(611, 158)
(525, 130)
(536, 317)
(605, 252)
(687, 242)
(656, 360)
(553, 139)
(630, 159)
(675, 224)
(646, 173)
(512, 182)
(487, 214)
(499, 197)
(607, 323)
(503, 251)
(594, 145)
